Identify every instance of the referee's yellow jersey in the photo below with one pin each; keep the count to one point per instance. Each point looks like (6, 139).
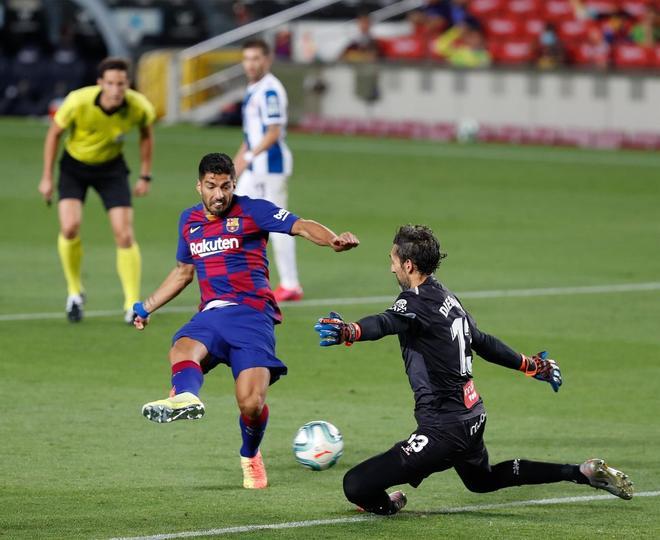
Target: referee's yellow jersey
(96, 136)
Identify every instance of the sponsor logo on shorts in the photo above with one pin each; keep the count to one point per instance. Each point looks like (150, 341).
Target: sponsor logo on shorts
(475, 427)
(206, 247)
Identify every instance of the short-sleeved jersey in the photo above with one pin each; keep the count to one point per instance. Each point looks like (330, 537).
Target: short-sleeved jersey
(437, 354)
(229, 252)
(95, 136)
(265, 104)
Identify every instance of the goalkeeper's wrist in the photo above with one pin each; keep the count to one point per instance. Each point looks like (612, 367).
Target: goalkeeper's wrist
(140, 310)
(248, 156)
(528, 366)
(352, 333)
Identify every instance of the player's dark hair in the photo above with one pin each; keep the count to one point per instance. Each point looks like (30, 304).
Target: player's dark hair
(113, 62)
(417, 244)
(257, 44)
(216, 163)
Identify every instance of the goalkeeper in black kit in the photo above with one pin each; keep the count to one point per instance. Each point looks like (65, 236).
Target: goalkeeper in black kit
(438, 337)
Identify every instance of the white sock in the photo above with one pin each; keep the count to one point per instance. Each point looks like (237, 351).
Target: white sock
(284, 248)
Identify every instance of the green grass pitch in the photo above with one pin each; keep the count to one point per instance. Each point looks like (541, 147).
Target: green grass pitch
(77, 460)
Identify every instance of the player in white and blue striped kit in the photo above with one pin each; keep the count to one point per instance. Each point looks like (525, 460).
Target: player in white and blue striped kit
(263, 161)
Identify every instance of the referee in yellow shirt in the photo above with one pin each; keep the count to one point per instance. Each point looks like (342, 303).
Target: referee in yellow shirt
(98, 118)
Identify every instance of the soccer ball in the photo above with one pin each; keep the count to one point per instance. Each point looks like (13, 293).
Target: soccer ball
(318, 445)
(467, 130)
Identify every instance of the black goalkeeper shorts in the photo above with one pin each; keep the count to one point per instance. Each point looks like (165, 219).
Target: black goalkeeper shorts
(428, 450)
(109, 179)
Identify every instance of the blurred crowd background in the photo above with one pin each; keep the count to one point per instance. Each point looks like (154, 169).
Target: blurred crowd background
(48, 48)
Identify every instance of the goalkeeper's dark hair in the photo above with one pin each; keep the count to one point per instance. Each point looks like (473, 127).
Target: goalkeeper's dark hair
(418, 244)
(216, 163)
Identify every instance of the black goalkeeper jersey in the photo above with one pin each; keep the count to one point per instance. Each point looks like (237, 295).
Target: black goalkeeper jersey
(437, 338)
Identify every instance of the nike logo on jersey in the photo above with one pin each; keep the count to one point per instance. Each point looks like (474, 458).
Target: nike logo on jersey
(193, 229)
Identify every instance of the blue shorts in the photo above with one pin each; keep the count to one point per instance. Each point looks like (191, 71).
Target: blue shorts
(238, 336)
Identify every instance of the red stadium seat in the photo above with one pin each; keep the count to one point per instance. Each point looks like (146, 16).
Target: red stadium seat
(503, 28)
(601, 6)
(532, 28)
(523, 8)
(655, 56)
(587, 54)
(410, 47)
(483, 9)
(635, 8)
(557, 10)
(512, 52)
(572, 31)
(632, 56)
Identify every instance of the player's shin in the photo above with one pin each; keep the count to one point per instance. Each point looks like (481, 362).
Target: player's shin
(71, 252)
(187, 377)
(129, 267)
(252, 432)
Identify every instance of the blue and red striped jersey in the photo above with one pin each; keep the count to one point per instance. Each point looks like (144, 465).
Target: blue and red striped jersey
(229, 252)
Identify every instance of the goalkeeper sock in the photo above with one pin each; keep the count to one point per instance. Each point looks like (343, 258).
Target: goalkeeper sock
(252, 431)
(187, 377)
(524, 472)
(129, 266)
(71, 252)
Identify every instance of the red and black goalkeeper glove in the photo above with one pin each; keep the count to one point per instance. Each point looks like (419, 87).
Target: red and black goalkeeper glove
(333, 330)
(542, 368)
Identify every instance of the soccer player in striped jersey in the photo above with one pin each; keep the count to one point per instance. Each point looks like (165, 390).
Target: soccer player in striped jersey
(98, 118)
(263, 161)
(223, 240)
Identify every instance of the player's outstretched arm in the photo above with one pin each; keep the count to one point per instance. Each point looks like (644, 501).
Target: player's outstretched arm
(322, 236)
(493, 350)
(333, 330)
(177, 280)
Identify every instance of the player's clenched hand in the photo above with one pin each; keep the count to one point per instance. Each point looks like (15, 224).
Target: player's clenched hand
(46, 188)
(543, 368)
(344, 242)
(333, 330)
(141, 318)
(142, 187)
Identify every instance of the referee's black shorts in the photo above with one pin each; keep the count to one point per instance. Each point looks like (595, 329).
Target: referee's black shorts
(427, 450)
(109, 179)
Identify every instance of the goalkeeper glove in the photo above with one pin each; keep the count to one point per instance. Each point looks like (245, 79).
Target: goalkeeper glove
(542, 368)
(333, 330)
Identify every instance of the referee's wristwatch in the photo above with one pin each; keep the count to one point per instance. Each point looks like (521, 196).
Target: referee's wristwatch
(145, 177)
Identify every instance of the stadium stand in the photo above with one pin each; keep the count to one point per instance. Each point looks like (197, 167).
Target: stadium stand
(48, 48)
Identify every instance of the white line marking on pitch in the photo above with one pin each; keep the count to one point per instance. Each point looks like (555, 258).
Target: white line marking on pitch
(338, 521)
(320, 302)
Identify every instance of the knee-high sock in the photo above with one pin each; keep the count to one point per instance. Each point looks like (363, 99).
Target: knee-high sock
(71, 258)
(129, 267)
(518, 472)
(252, 431)
(284, 249)
(186, 377)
